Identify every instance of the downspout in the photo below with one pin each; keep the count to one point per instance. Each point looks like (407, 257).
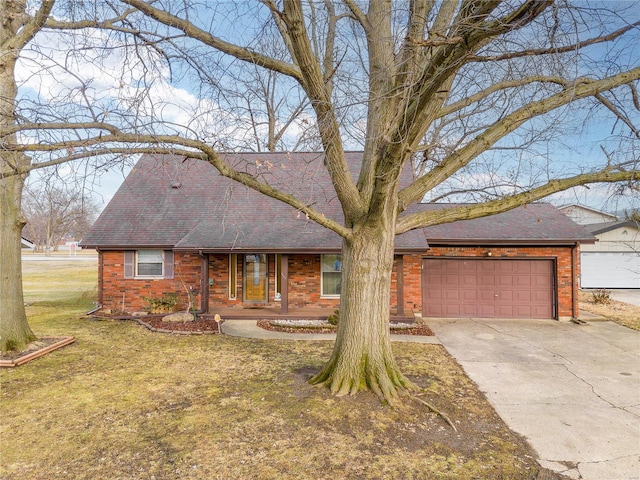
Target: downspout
(204, 281)
(575, 255)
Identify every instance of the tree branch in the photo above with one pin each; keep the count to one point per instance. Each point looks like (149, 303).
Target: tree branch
(30, 26)
(201, 151)
(581, 88)
(241, 53)
(314, 85)
(468, 212)
(556, 50)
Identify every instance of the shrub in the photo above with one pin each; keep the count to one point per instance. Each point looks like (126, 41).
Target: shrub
(333, 318)
(601, 296)
(165, 304)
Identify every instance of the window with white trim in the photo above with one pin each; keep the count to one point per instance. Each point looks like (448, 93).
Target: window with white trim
(149, 263)
(331, 275)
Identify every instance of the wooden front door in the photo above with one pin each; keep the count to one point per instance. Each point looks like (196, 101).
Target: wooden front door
(255, 277)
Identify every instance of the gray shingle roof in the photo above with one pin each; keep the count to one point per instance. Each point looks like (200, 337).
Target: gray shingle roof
(537, 223)
(170, 202)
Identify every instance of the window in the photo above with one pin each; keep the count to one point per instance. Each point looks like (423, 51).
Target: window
(331, 272)
(149, 263)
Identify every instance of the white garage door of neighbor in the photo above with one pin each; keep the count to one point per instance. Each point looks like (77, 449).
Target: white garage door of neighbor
(610, 270)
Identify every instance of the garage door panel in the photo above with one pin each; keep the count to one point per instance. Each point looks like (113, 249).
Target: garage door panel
(505, 296)
(488, 288)
(451, 295)
(507, 281)
(610, 270)
(469, 296)
(525, 281)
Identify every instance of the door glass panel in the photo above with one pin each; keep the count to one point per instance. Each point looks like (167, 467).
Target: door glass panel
(255, 277)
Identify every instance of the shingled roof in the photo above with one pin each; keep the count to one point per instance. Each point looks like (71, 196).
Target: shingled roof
(171, 202)
(533, 224)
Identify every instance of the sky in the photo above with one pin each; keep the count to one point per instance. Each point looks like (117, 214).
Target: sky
(188, 112)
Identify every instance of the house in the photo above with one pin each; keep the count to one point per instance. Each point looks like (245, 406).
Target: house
(177, 226)
(614, 260)
(24, 243)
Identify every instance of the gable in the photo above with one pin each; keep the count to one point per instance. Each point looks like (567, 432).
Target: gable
(173, 202)
(586, 216)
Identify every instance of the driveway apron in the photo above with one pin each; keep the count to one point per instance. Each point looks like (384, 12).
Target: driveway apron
(572, 390)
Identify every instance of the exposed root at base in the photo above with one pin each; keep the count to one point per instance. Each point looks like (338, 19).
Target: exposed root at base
(387, 390)
(436, 411)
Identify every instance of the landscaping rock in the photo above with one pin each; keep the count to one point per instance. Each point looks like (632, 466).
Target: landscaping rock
(178, 317)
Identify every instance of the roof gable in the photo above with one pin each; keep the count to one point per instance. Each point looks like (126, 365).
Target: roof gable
(168, 201)
(584, 215)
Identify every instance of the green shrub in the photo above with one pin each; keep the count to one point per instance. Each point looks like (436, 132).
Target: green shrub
(333, 318)
(165, 304)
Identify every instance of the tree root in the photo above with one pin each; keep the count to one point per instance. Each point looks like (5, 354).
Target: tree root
(436, 411)
(386, 384)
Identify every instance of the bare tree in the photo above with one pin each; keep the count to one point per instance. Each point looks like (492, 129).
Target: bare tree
(479, 96)
(54, 211)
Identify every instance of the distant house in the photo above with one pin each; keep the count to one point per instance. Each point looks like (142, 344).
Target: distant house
(24, 243)
(176, 225)
(614, 260)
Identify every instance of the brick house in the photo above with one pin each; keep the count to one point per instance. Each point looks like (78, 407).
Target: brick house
(177, 226)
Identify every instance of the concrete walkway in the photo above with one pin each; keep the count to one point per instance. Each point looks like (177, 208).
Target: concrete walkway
(572, 390)
(250, 329)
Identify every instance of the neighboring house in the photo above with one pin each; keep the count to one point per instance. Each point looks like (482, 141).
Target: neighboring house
(176, 225)
(614, 260)
(24, 243)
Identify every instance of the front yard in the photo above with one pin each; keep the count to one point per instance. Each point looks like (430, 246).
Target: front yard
(124, 402)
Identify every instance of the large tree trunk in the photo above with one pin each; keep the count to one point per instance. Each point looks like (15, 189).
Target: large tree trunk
(362, 358)
(14, 329)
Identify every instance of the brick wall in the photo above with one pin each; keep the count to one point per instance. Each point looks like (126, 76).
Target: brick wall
(119, 294)
(126, 295)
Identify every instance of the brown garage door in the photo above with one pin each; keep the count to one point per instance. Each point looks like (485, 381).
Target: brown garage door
(488, 288)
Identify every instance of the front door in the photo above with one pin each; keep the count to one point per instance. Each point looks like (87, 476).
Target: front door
(255, 277)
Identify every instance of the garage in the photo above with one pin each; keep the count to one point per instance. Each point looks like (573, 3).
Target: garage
(488, 288)
(610, 270)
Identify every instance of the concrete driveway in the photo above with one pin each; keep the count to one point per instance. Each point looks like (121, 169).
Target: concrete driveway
(572, 390)
(628, 295)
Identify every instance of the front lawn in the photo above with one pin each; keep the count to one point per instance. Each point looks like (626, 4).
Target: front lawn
(124, 402)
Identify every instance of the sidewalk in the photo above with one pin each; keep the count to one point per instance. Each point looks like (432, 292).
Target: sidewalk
(250, 329)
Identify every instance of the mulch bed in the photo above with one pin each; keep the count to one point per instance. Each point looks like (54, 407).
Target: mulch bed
(200, 327)
(209, 326)
(418, 329)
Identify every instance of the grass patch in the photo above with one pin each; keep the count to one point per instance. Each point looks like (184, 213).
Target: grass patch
(619, 312)
(123, 402)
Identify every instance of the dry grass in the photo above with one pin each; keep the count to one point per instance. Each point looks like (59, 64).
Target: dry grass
(126, 403)
(619, 312)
